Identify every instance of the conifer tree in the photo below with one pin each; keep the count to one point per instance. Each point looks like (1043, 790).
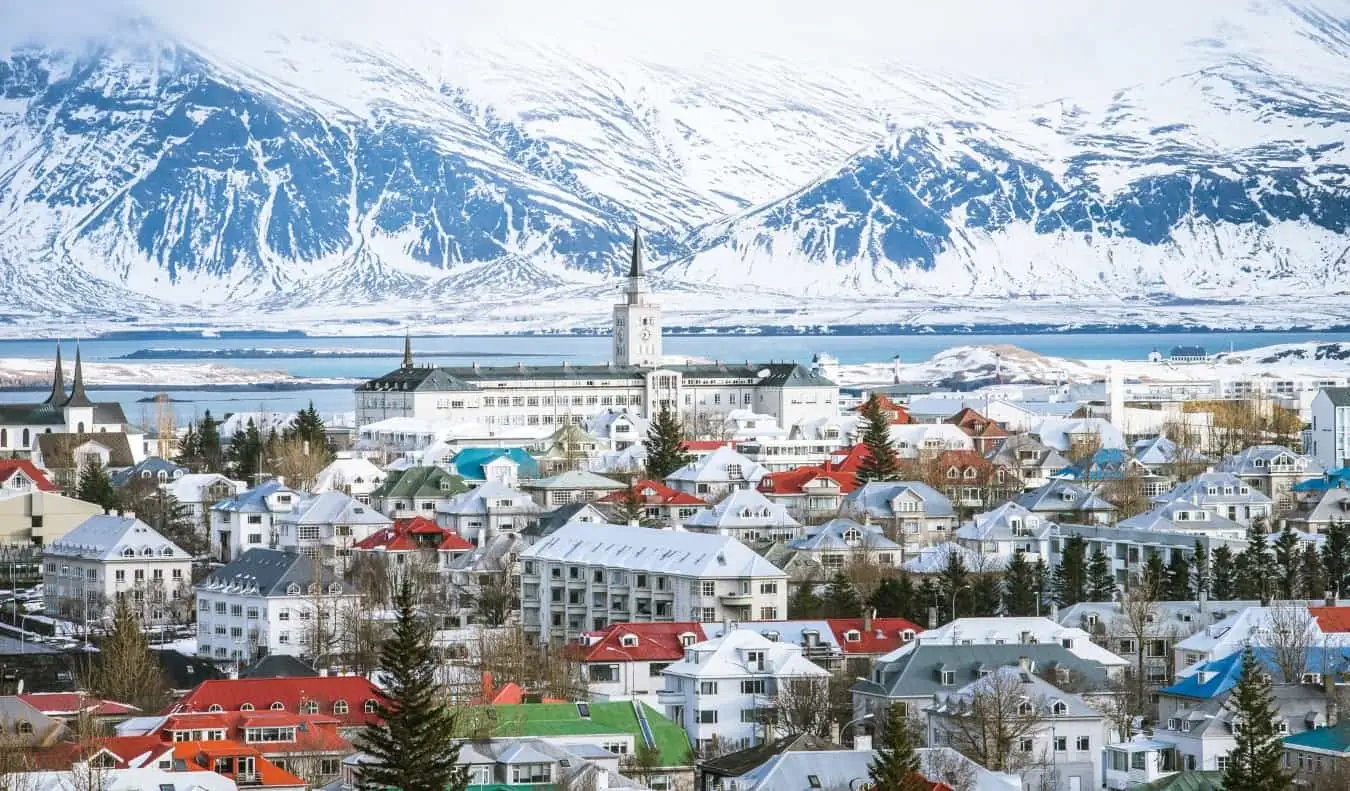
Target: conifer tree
(804, 603)
(928, 594)
(1178, 585)
(1155, 576)
(96, 487)
(208, 433)
(986, 593)
(1288, 562)
(1101, 579)
(308, 427)
(841, 598)
(893, 597)
(1256, 761)
(1071, 576)
(413, 744)
(1336, 556)
(665, 446)
(1312, 583)
(955, 581)
(1200, 569)
(190, 449)
(1045, 581)
(123, 670)
(1223, 574)
(1256, 569)
(1019, 587)
(881, 462)
(895, 767)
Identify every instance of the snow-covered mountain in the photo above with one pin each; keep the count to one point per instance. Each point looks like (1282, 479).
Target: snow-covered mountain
(158, 170)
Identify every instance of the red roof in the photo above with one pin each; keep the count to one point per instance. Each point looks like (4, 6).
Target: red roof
(842, 468)
(261, 693)
(961, 459)
(1331, 619)
(882, 638)
(419, 525)
(704, 445)
(656, 642)
(10, 466)
(400, 537)
(651, 492)
(56, 704)
(320, 730)
(899, 415)
(202, 755)
(975, 424)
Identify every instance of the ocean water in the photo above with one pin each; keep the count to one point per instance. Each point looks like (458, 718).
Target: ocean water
(504, 350)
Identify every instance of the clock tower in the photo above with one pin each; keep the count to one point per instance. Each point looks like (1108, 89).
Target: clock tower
(637, 320)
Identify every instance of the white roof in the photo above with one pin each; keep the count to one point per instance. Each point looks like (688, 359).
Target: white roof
(914, 435)
(986, 631)
(713, 468)
(723, 657)
(932, 560)
(109, 537)
(334, 508)
(131, 780)
(1253, 626)
(702, 555)
(475, 501)
(1055, 431)
(190, 487)
(266, 422)
(345, 472)
(744, 508)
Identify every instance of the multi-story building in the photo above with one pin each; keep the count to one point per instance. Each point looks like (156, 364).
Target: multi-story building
(626, 660)
(33, 512)
(1185, 516)
(327, 526)
(1006, 530)
(249, 519)
(724, 691)
(267, 601)
(1016, 631)
(356, 476)
(659, 504)
(107, 558)
(1223, 494)
(1066, 501)
(416, 491)
(714, 475)
(1128, 548)
(1034, 461)
(1272, 470)
(412, 541)
(1329, 437)
(352, 700)
(746, 515)
(839, 542)
(586, 576)
(492, 508)
(814, 493)
(850, 645)
(197, 492)
(573, 486)
(913, 513)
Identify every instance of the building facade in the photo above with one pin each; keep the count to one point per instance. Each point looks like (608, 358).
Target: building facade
(109, 558)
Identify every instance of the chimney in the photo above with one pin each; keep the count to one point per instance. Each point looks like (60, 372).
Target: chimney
(863, 742)
(932, 618)
(1204, 601)
(868, 614)
(488, 688)
(1024, 664)
(895, 368)
(323, 672)
(1054, 612)
(1330, 599)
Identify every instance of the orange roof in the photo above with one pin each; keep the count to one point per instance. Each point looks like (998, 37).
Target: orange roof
(652, 492)
(400, 537)
(704, 445)
(794, 481)
(10, 466)
(899, 415)
(290, 692)
(129, 752)
(961, 458)
(202, 755)
(1331, 619)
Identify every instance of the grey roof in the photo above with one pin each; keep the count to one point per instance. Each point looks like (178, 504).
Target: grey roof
(777, 374)
(1256, 460)
(58, 450)
(31, 415)
(1004, 523)
(747, 508)
(109, 412)
(270, 572)
(1332, 506)
(152, 464)
(635, 265)
(917, 673)
(1164, 518)
(1059, 496)
(549, 522)
(110, 537)
(875, 498)
(334, 508)
(1339, 396)
(1215, 488)
(704, 555)
(1043, 454)
(278, 666)
(1293, 703)
(424, 378)
(254, 500)
(834, 535)
(1042, 694)
(576, 479)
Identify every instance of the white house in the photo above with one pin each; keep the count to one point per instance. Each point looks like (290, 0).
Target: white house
(490, 509)
(197, 492)
(722, 688)
(111, 557)
(1272, 470)
(1330, 433)
(839, 541)
(916, 514)
(1223, 494)
(1005, 530)
(267, 601)
(327, 526)
(1015, 631)
(357, 477)
(928, 439)
(585, 576)
(719, 472)
(626, 660)
(746, 515)
(249, 519)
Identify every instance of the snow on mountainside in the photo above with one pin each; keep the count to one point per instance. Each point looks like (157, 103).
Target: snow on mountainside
(156, 170)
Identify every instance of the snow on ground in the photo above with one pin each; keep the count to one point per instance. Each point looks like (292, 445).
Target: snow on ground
(24, 372)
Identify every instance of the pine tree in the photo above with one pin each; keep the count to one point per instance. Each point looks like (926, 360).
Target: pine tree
(212, 456)
(1288, 562)
(190, 449)
(162, 511)
(928, 595)
(1178, 584)
(895, 767)
(96, 487)
(954, 583)
(1312, 582)
(1045, 581)
(308, 427)
(986, 593)
(124, 670)
(1200, 581)
(1155, 576)
(1336, 556)
(1256, 761)
(1019, 587)
(665, 446)
(881, 462)
(1071, 575)
(1101, 578)
(841, 599)
(1223, 574)
(1255, 566)
(893, 597)
(804, 604)
(413, 744)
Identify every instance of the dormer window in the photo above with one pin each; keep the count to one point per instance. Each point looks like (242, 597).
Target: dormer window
(852, 636)
(1058, 708)
(128, 553)
(628, 641)
(1025, 708)
(852, 536)
(293, 589)
(687, 639)
(277, 706)
(907, 635)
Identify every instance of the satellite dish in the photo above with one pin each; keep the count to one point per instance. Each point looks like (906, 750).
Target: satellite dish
(763, 372)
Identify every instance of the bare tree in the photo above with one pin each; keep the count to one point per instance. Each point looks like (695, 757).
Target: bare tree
(800, 706)
(16, 762)
(948, 766)
(509, 656)
(1288, 633)
(299, 463)
(493, 599)
(1126, 493)
(989, 725)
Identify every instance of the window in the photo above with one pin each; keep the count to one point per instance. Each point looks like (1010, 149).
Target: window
(1061, 744)
(707, 688)
(948, 678)
(1223, 763)
(768, 613)
(768, 588)
(246, 707)
(309, 707)
(1059, 708)
(1025, 745)
(707, 716)
(370, 706)
(531, 773)
(1139, 760)
(277, 706)
(1084, 744)
(754, 686)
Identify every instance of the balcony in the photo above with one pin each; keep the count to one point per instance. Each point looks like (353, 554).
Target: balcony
(669, 697)
(737, 599)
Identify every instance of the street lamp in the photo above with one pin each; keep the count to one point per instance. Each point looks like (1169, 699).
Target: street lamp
(954, 592)
(844, 728)
(625, 678)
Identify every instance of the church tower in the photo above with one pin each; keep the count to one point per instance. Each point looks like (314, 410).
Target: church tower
(637, 320)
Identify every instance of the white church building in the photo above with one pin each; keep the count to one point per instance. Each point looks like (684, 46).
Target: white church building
(637, 378)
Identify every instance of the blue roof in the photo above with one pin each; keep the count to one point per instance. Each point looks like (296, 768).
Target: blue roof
(1227, 671)
(468, 463)
(1331, 480)
(152, 464)
(254, 500)
(1107, 464)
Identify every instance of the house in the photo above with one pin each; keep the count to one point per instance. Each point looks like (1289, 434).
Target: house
(1164, 458)
(1060, 723)
(1015, 631)
(626, 660)
(1006, 530)
(506, 466)
(1329, 437)
(1322, 511)
(922, 441)
(818, 764)
(1032, 461)
(354, 476)
(1317, 752)
(985, 433)
(110, 558)
(817, 491)
(848, 644)
(267, 601)
(549, 522)
(714, 475)
(723, 691)
(971, 481)
(912, 512)
(137, 779)
(1079, 435)
(249, 519)
(839, 542)
(621, 428)
(151, 471)
(489, 509)
(63, 455)
(353, 701)
(492, 566)
(748, 516)
(35, 516)
(1112, 464)
(327, 526)
(70, 707)
(1222, 494)
(1251, 626)
(573, 486)
(22, 475)
(416, 491)
(1187, 354)
(1272, 470)
(585, 576)
(570, 447)
(659, 504)
(1185, 516)
(197, 492)
(30, 727)
(1066, 501)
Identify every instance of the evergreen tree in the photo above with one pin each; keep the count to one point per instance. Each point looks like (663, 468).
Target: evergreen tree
(1200, 569)
(928, 595)
(1045, 582)
(1288, 562)
(123, 669)
(1155, 576)
(208, 432)
(190, 449)
(1256, 761)
(1312, 583)
(665, 446)
(895, 767)
(1223, 574)
(804, 603)
(308, 427)
(1255, 566)
(841, 598)
(954, 583)
(986, 593)
(96, 487)
(1019, 587)
(413, 743)
(172, 519)
(893, 597)
(881, 463)
(246, 454)
(1071, 576)
(1101, 578)
(1178, 584)
(1336, 556)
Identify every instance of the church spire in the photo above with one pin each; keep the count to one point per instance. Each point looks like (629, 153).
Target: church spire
(77, 395)
(635, 268)
(58, 396)
(407, 350)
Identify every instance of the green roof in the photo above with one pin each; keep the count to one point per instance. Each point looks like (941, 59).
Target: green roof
(1188, 781)
(417, 482)
(1335, 738)
(616, 716)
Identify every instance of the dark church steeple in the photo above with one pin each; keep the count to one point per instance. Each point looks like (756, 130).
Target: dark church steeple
(407, 350)
(58, 395)
(635, 267)
(77, 395)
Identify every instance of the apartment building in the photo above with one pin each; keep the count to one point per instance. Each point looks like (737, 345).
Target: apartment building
(586, 576)
(913, 513)
(327, 526)
(248, 520)
(107, 558)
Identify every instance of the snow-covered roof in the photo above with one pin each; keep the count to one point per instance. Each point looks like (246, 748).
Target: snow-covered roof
(724, 657)
(490, 496)
(1007, 522)
(191, 488)
(1254, 626)
(844, 535)
(1061, 496)
(1183, 516)
(702, 555)
(879, 497)
(266, 422)
(1265, 459)
(255, 500)
(744, 508)
(131, 780)
(1037, 691)
(1056, 431)
(720, 466)
(915, 436)
(932, 560)
(577, 479)
(1215, 489)
(1011, 631)
(601, 424)
(110, 537)
(334, 508)
(346, 472)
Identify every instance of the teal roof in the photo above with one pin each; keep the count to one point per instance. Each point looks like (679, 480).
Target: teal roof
(1187, 781)
(468, 463)
(1334, 738)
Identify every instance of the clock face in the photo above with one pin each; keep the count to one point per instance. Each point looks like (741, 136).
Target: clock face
(646, 335)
